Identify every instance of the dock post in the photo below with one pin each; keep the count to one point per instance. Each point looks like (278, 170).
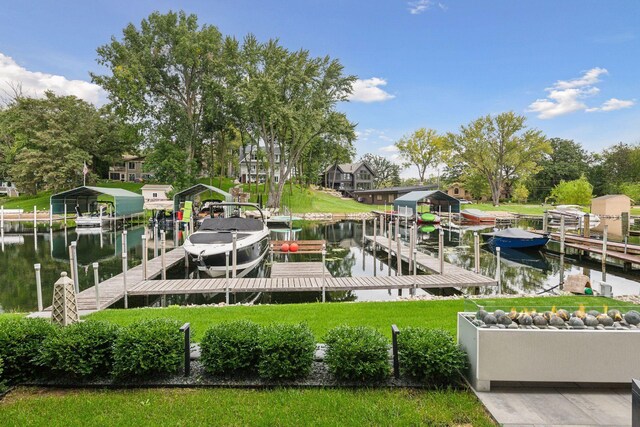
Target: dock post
(397, 229)
(124, 241)
(38, 286)
(364, 227)
(605, 233)
(399, 255)
(74, 265)
(476, 252)
(545, 222)
(234, 255)
(324, 255)
(155, 240)
(375, 248)
(96, 283)
(375, 227)
(2, 217)
(562, 230)
(124, 279)
(498, 274)
(586, 230)
(626, 242)
(389, 230)
(415, 270)
(226, 276)
(163, 246)
(35, 217)
(145, 255)
(65, 214)
(50, 215)
(441, 250)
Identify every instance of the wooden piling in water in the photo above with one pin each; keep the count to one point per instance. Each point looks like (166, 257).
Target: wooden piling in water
(562, 231)
(545, 222)
(605, 233)
(498, 273)
(145, 256)
(163, 246)
(125, 267)
(234, 255)
(399, 255)
(586, 227)
(96, 283)
(476, 252)
(38, 286)
(389, 251)
(441, 250)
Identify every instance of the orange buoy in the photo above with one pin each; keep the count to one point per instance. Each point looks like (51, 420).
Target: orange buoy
(293, 247)
(284, 247)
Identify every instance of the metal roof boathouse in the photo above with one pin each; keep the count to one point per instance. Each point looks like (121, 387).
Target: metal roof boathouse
(438, 200)
(125, 203)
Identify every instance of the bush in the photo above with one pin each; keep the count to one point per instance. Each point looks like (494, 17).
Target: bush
(153, 346)
(286, 351)
(357, 353)
(82, 350)
(430, 355)
(230, 347)
(20, 342)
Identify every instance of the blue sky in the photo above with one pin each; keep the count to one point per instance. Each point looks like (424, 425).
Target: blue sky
(570, 66)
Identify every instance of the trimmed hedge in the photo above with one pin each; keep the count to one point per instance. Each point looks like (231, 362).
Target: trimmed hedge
(286, 351)
(231, 347)
(83, 349)
(20, 343)
(149, 347)
(357, 353)
(430, 355)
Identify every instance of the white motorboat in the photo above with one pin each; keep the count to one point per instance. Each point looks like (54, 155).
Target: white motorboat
(208, 247)
(573, 216)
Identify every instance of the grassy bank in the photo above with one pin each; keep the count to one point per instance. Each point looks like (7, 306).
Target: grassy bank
(511, 207)
(282, 407)
(322, 317)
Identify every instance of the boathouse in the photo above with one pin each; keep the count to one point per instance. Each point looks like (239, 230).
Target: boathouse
(438, 202)
(125, 203)
(386, 196)
(191, 193)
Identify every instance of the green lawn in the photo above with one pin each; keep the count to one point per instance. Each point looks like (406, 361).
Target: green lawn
(322, 317)
(282, 407)
(510, 207)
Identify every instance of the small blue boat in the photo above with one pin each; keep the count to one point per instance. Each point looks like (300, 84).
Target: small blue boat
(515, 238)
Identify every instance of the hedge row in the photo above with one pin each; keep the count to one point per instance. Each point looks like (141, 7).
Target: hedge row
(34, 348)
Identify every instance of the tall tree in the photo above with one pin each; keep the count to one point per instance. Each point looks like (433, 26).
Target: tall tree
(423, 149)
(162, 76)
(500, 148)
(387, 173)
(567, 161)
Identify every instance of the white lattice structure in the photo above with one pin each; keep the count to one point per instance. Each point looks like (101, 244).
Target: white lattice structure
(64, 310)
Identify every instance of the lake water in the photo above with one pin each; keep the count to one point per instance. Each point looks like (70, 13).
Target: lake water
(521, 272)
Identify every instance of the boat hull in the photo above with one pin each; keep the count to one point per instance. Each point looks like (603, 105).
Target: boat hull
(513, 243)
(478, 219)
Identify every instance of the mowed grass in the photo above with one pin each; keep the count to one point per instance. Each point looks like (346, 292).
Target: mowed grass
(229, 407)
(322, 317)
(528, 209)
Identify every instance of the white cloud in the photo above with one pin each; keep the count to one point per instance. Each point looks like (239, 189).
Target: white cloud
(417, 7)
(35, 83)
(613, 104)
(389, 149)
(567, 96)
(368, 90)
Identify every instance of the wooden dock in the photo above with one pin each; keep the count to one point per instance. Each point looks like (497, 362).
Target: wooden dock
(281, 270)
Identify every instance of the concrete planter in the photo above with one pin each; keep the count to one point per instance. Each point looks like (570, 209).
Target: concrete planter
(546, 355)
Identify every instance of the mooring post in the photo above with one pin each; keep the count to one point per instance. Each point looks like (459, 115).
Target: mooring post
(2, 217)
(145, 255)
(389, 230)
(410, 255)
(65, 214)
(163, 247)
(498, 274)
(562, 234)
(375, 227)
(186, 330)
(586, 230)
(626, 241)
(125, 247)
(38, 286)
(364, 227)
(234, 259)
(124, 279)
(74, 263)
(394, 345)
(155, 240)
(397, 229)
(399, 255)
(324, 254)
(375, 248)
(50, 215)
(545, 222)
(96, 283)
(441, 250)
(226, 276)
(35, 217)
(604, 245)
(415, 270)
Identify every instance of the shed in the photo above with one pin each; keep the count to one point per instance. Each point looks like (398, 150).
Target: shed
(125, 203)
(611, 205)
(438, 200)
(191, 193)
(155, 196)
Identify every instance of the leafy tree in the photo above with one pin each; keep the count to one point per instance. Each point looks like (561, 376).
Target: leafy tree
(477, 185)
(520, 193)
(567, 161)
(423, 148)
(576, 192)
(631, 189)
(164, 76)
(387, 173)
(616, 165)
(500, 148)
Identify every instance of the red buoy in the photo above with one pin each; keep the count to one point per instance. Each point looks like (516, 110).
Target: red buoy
(293, 247)
(284, 247)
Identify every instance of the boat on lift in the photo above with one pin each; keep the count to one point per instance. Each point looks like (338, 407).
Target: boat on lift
(515, 238)
(573, 216)
(477, 216)
(208, 246)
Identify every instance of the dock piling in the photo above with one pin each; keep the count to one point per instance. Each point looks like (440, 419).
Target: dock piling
(65, 214)
(562, 231)
(163, 246)
(38, 286)
(50, 215)
(124, 279)
(389, 251)
(498, 274)
(2, 217)
(441, 250)
(364, 228)
(234, 259)
(96, 282)
(586, 230)
(399, 255)
(145, 255)
(605, 233)
(415, 270)
(74, 265)
(476, 252)
(226, 276)
(35, 217)
(545, 222)
(324, 255)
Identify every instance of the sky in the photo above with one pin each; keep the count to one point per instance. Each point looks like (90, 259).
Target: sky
(572, 67)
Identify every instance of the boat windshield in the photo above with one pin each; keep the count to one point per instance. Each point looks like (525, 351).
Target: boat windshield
(231, 224)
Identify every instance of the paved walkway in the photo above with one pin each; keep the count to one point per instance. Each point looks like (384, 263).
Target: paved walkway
(569, 405)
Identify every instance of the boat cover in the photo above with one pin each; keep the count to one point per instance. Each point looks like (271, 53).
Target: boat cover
(211, 238)
(231, 224)
(514, 233)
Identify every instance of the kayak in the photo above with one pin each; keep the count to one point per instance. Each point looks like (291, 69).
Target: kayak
(428, 218)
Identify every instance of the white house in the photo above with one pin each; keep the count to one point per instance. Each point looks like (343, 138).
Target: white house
(155, 196)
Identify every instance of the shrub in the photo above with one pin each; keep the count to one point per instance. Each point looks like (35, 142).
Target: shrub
(430, 355)
(82, 350)
(20, 342)
(286, 351)
(148, 347)
(230, 347)
(357, 353)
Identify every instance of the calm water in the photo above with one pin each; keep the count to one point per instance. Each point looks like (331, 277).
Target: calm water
(521, 272)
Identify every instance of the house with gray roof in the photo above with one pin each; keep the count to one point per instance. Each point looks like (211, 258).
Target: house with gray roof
(349, 177)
